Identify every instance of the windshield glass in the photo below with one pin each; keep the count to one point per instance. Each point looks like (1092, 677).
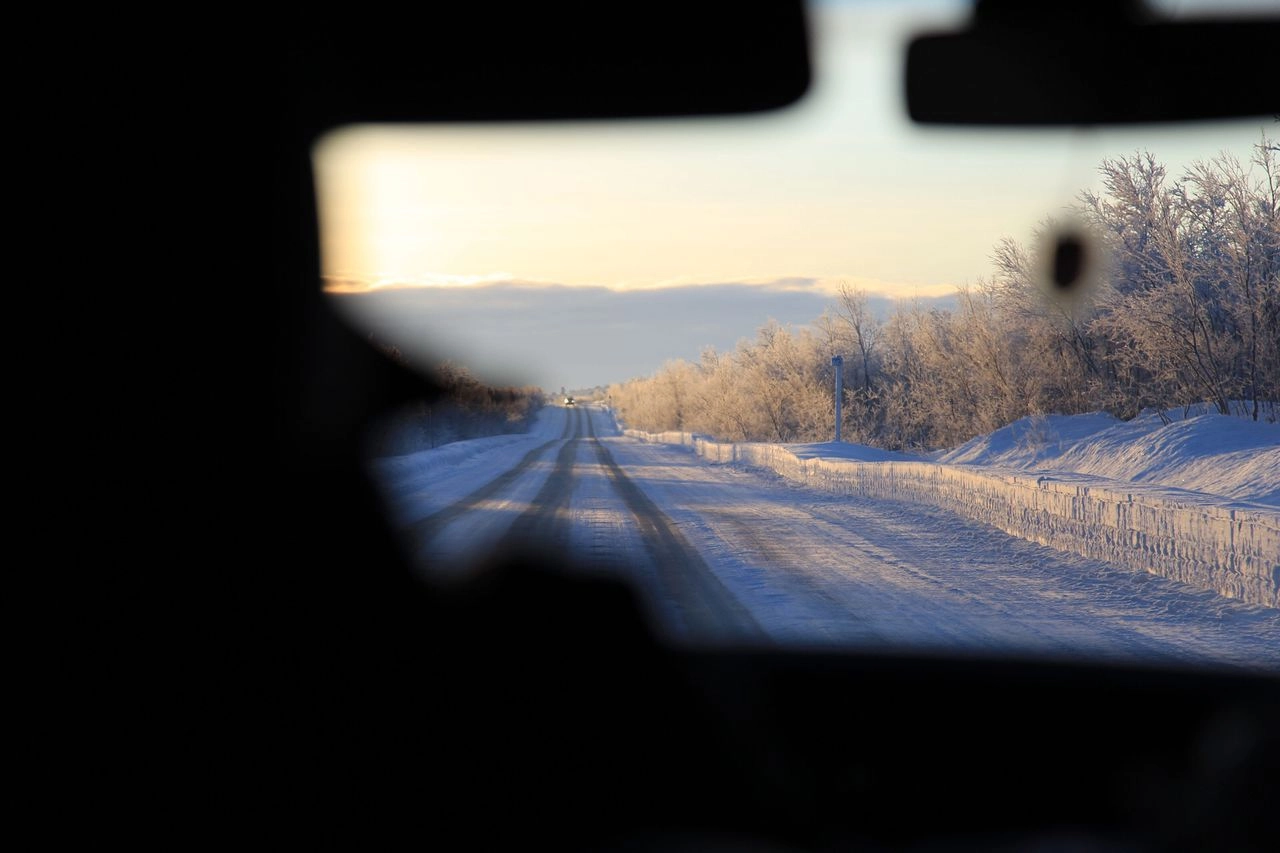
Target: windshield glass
(823, 377)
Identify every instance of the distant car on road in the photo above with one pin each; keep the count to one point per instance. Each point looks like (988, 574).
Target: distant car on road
(568, 401)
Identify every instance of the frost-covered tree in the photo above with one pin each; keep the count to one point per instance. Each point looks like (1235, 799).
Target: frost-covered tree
(464, 408)
(1189, 313)
(1188, 310)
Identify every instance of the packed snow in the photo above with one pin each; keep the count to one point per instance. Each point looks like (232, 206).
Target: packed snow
(809, 561)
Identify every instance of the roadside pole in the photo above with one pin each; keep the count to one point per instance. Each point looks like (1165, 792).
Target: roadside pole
(837, 361)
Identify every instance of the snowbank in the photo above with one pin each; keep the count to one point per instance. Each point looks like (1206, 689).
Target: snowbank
(1230, 547)
(1187, 449)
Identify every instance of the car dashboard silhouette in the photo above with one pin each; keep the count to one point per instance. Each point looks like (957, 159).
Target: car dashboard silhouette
(535, 707)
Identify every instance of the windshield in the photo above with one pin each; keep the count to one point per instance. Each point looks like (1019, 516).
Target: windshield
(823, 377)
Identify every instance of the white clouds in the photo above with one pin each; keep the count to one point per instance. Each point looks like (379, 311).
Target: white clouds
(552, 335)
(341, 284)
(827, 286)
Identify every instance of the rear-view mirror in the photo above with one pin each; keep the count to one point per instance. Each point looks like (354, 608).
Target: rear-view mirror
(1091, 63)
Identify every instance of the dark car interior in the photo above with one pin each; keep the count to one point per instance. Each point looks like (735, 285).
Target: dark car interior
(533, 707)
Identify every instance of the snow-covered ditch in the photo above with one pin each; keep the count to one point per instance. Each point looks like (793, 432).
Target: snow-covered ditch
(1227, 545)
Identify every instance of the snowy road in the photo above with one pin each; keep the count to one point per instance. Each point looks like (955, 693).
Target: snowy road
(567, 495)
(725, 555)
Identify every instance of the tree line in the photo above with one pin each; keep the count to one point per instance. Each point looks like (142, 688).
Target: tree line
(465, 408)
(1185, 309)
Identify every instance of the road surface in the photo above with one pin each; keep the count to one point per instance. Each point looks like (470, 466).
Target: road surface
(726, 556)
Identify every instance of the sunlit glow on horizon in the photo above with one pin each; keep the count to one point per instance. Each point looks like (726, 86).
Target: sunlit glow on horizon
(838, 189)
(840, 185)
(831, 285)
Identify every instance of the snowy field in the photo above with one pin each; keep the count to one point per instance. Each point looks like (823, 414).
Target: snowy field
(743, 554)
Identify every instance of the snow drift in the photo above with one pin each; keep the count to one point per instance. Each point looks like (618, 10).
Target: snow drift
(1187, 449)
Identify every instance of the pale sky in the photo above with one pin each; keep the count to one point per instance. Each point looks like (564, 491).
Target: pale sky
(838, 188)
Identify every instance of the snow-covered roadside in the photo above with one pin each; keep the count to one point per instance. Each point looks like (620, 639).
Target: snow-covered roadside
(1211, 542)
(822, 570)
(419, 483)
